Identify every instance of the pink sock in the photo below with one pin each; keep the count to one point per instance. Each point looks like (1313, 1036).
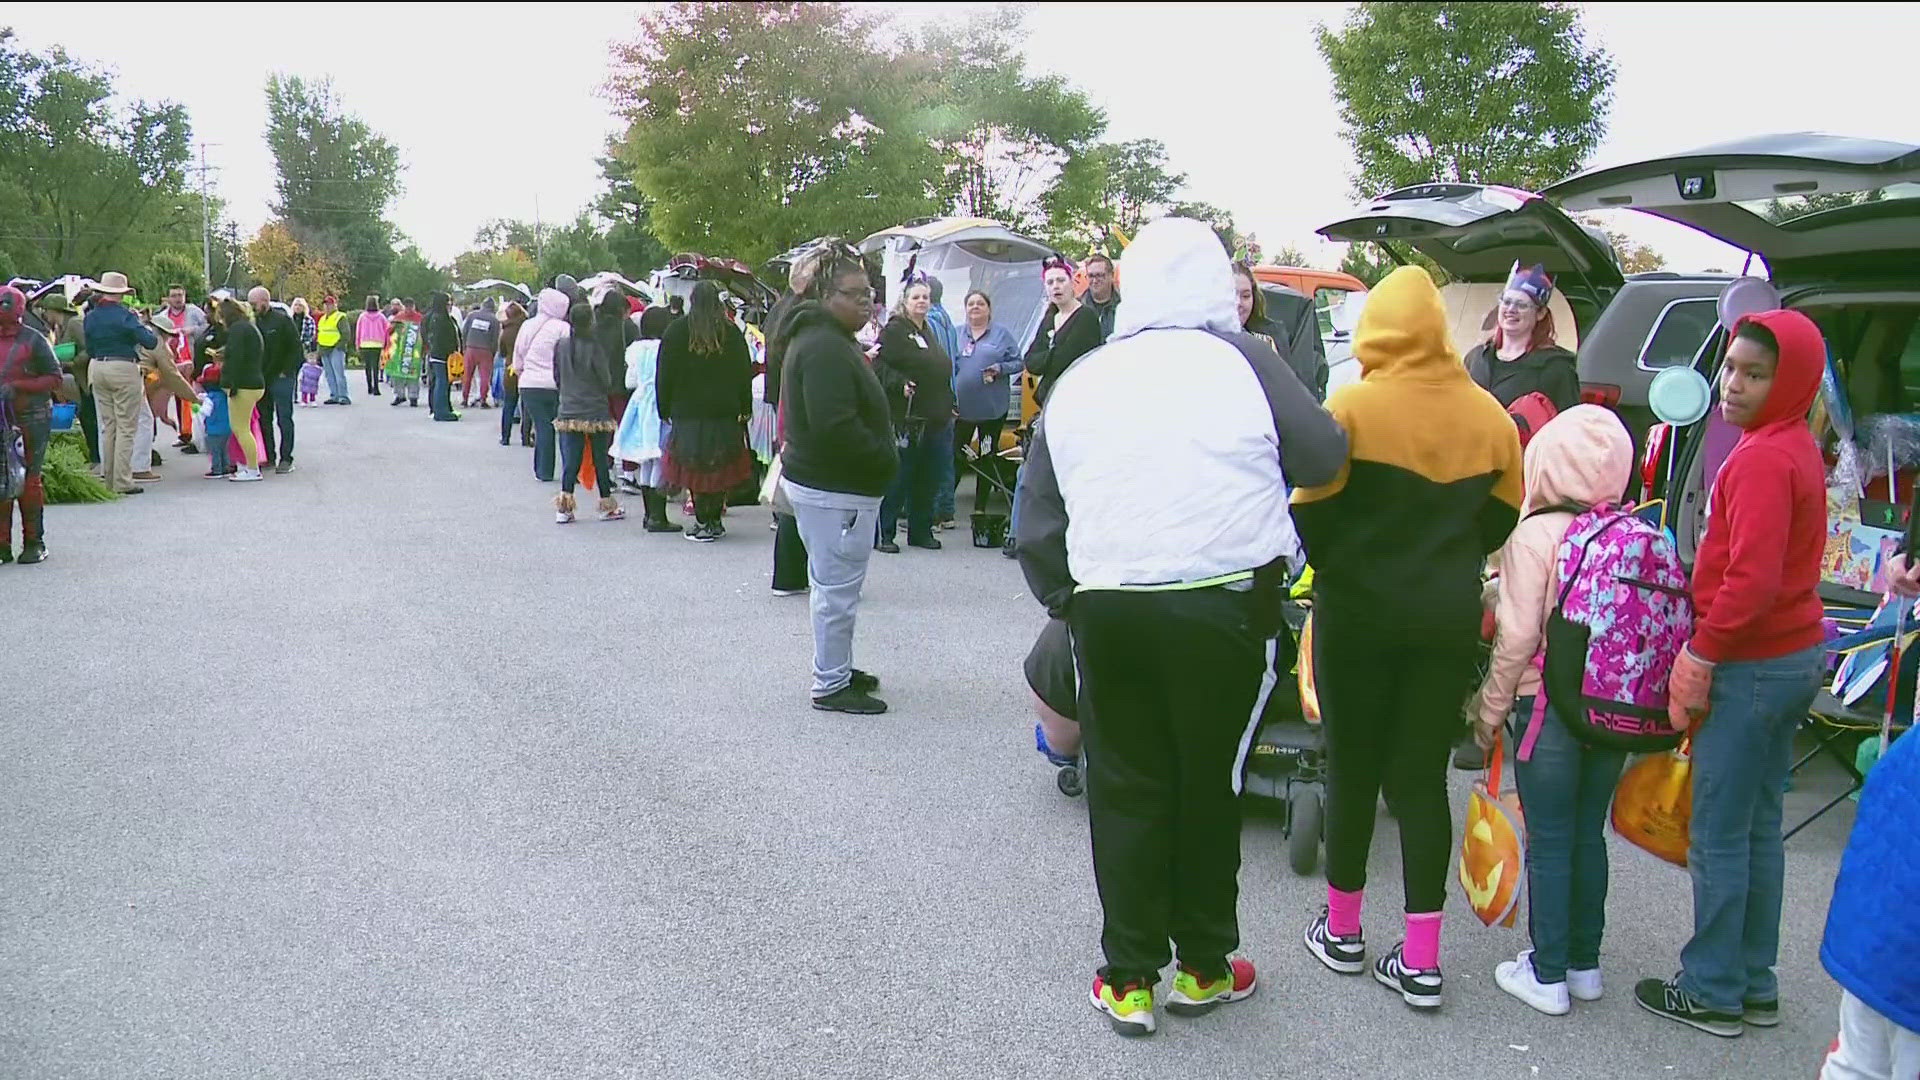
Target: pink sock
(1422, 952)
(1343, 911)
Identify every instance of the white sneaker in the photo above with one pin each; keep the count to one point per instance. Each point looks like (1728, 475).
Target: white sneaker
(245, 476)
(562, 517)
(1584, 985)
(1516, 977)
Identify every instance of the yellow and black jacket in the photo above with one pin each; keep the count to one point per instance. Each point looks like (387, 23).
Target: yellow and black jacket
(1432, 483)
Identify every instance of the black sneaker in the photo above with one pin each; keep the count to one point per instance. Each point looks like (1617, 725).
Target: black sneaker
(1760, 1013)
(1420, 989)
(867, 683)
(1665, 998)
(849, 699)
(1346, 955)
(931, 543)
(284, 467)
(887, 547)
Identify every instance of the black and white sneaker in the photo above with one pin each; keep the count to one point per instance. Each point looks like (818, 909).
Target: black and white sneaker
(1346, 955)
(1665, 998)
(1420, 989)
(1761, 1013)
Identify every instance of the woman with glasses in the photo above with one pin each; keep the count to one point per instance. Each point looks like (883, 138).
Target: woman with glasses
(1521, 357)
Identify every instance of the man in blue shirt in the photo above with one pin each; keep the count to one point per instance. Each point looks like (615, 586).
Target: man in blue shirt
(113, 335)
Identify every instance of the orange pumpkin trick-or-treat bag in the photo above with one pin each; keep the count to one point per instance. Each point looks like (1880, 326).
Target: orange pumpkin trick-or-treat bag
(1493, 850)
(1653, 804)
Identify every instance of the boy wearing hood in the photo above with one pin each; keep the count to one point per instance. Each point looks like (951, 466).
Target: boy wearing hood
(1171, 603)
(1749, 675)
(1397, 542)
(1581, 459)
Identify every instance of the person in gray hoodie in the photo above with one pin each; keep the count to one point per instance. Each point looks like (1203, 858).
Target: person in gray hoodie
(586, 376)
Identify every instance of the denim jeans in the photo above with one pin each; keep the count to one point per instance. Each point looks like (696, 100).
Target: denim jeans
(509, 410)
(914, 487)
(440, 391)
(277, 402)
(1565, 787)
(943, 491)
(334, 359)
(541, 407)
(1742, 752)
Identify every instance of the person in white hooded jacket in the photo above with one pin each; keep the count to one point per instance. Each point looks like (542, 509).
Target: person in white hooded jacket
(533, 365)
(1154, 518)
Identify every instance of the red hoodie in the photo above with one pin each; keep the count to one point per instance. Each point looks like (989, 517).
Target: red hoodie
(1758, 567)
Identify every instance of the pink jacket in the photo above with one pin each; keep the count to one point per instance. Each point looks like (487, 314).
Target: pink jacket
(1581, 458)
(533, 349)
(370, 330)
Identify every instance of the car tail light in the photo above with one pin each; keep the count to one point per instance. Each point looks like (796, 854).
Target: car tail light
(1599, 394)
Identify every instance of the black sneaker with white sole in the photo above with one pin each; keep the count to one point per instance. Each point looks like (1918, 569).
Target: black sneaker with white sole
(1346, 955)
(848, 699)
(1761, 1013)
(1420, 989)
(1663, 997)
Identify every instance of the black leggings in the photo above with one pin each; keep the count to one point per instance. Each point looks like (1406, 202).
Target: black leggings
(573, 447)
(989, 432)
(1390, 729)
(370, 359)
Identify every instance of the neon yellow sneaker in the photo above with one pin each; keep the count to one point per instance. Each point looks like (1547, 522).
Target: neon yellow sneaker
(1130, 1010)
(1192, 997)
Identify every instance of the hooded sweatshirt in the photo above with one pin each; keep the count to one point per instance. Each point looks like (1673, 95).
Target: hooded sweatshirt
(839, 429)
(533, 348)
(1231, 432)
(1756, 576)
(1399, 538)
(1580, 458)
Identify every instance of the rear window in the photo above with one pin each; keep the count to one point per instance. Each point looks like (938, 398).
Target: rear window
(1324, 301)
(1684, 327)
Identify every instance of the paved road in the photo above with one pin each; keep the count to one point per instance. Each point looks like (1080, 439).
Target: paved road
(372, 771)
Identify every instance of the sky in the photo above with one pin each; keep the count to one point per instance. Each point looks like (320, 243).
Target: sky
(1237, 93)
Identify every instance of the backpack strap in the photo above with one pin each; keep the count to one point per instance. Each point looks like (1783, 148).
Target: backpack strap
(1557, 508)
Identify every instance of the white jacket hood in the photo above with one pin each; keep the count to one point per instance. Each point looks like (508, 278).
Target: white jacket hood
(1177, 276)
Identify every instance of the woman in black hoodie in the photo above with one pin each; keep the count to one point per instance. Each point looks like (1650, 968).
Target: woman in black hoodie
(837, 461)
(705, 390)
(914, 367)
(442, 336)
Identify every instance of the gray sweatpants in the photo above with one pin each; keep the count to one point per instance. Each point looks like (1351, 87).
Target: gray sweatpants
(838, 530)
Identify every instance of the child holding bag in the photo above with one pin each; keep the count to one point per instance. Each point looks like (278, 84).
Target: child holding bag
(1579, 460)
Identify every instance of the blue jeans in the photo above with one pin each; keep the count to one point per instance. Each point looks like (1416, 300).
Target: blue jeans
(1565, 787)
(1742, 752)
(541, 407)
(440, 390)
(334, 359)
(943, 509)
(914, 486)
(276, 402)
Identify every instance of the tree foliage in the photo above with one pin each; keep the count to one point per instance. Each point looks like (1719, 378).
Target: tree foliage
(1367, 263)
(636, 251)
(411, 275)
(1288, 255)
(1507, 93)
(1004, 133)
(88, 183)
(753, 124)
(1634, 257)
(289, 268)
(173, 267)
(1780, 211)
(1110, 186)
(336, 178)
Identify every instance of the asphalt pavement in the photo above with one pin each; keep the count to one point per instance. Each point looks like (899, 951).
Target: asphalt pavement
(374, 771)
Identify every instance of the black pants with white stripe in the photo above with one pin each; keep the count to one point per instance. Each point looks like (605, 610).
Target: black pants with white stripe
(1172, 685)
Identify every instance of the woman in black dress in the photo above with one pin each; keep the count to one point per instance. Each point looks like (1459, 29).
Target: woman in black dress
(705, 390)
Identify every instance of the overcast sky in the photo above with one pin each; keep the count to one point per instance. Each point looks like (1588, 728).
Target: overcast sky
(1236, 91)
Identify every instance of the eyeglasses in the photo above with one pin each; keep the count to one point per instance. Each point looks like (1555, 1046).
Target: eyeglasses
(1515, 303)
(855, 294)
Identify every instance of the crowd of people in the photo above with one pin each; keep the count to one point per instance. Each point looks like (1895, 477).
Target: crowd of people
(1396, 492)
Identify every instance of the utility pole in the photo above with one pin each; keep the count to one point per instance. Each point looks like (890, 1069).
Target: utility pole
(206, 234)
(539, 236)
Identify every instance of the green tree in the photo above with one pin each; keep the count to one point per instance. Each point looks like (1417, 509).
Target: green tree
(1221, 220)
(173, 266)
(637, 252)
(1780, 211)
(1288, 255)
(410, 274)
(1367, 264)
(1506, 93)
(88, 182)
(336, 177)
(1004, 133)
(751, 125)
(1109, 187)
(512, 264)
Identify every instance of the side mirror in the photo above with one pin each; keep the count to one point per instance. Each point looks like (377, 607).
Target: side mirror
(1680, 396)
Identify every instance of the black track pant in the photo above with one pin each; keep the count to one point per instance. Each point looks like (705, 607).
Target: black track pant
(1392, 707)
(1171, 687)
(789, 556)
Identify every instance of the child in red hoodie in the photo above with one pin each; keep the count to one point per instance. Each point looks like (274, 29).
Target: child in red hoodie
(1749, 675)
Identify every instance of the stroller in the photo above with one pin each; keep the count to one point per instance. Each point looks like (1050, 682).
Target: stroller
(996, 469)
(1287, 762)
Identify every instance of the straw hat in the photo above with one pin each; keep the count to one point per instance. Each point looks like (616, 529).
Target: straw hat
(114, 283)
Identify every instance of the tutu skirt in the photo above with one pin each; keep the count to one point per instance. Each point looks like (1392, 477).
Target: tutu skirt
(707, 456)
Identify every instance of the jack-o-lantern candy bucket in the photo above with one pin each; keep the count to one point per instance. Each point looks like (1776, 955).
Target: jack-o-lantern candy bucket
(1653, 804)
(1493, 850)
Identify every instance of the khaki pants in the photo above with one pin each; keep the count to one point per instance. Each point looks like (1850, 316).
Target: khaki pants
(119, 397)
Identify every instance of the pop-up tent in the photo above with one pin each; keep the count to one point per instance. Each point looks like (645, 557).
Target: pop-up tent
(967, 254)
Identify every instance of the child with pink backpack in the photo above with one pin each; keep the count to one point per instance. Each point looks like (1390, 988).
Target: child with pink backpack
(1592, 610)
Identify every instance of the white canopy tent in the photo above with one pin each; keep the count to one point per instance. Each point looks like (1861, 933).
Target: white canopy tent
(967, 254)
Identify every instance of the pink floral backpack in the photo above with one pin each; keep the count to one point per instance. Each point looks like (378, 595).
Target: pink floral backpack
(1622, 617)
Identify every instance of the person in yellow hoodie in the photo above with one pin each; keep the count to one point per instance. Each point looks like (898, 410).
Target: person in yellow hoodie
(1397, 541)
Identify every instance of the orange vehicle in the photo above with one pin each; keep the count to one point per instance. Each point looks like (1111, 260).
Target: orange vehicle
(1327, 287)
